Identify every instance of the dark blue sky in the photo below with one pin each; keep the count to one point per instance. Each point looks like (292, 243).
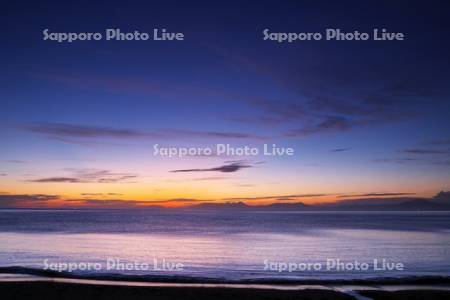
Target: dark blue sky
(101, 105)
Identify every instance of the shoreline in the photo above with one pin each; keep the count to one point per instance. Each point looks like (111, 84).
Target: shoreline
(331, 285)
(57, 290)
(28, 286)
(114, 277)
(26, 283)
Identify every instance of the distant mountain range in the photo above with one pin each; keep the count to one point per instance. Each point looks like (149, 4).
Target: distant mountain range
(441, 202)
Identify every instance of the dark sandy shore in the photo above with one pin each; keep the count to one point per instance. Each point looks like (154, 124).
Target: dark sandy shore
(407, 295)
(24, 283)
(69, 291)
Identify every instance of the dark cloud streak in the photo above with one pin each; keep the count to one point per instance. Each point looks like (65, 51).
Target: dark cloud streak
(228, 168)
(89, 176)
(426, 151)
(68, 132)
(376, 195)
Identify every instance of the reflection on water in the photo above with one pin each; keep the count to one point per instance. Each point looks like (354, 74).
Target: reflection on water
(229, 245)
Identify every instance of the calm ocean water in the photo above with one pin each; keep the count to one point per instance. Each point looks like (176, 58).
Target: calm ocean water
(229, 245)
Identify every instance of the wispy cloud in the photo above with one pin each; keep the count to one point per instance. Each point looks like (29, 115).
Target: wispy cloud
(426, 151)
(121, 203)
(16, 161)
(69, 132)
(57, 179)
(338, 99)
(340, 150)
(423, 160)
(405, 160)
(106, 203)
(227, 168)
(89, 176)
(318, 114)
(375, 195)
(27, 200)
(56, 201)
(181, 200)
(100, 194)
(276, 197)
(244, 185)
(329, 124)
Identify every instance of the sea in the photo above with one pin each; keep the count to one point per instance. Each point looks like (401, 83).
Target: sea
(227, 245)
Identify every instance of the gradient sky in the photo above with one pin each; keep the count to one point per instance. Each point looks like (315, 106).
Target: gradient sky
(79, 120)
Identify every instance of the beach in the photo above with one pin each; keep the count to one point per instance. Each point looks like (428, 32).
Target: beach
(17, 283)
(47, 290)
(27, 288)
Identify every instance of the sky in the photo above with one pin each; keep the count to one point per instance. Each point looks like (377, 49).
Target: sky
(79, 121)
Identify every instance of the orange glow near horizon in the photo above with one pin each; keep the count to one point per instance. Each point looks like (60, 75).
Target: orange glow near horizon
(181, 190)
(177, 202)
